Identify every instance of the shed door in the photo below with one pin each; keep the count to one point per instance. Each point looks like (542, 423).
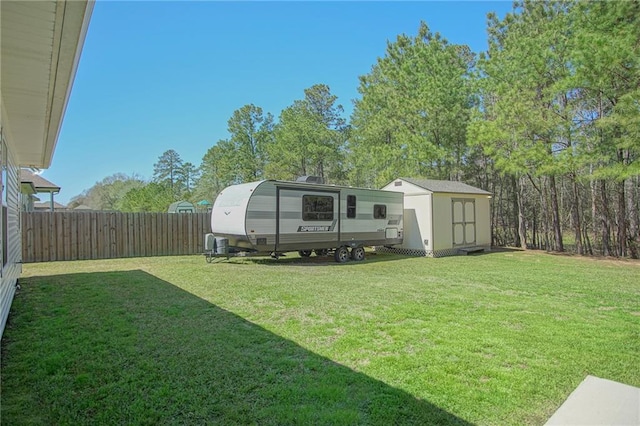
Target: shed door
(463, 213)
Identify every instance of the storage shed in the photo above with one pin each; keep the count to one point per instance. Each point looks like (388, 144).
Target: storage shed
(182, 207)
(443, 218)
(204, 206)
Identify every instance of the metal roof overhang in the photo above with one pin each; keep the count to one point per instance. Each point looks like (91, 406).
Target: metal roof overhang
(41, 42)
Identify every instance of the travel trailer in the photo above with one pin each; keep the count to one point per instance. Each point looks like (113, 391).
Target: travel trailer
(275, 217)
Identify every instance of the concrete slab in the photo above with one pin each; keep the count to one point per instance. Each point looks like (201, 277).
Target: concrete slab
(599, 402)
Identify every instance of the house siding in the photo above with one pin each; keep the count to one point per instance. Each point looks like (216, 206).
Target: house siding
(33, 99)
(12, 268)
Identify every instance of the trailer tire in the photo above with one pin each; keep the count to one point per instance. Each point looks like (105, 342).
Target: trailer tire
(304, 253)
(357, 254)
(342, 254)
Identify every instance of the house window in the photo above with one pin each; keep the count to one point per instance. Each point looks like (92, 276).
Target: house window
(351, 206)
(379, 211)
(317, 207)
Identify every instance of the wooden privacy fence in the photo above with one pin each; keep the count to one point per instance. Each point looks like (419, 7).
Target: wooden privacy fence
(48, 236)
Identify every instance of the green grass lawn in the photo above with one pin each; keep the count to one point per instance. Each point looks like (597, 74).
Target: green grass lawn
(500, 338)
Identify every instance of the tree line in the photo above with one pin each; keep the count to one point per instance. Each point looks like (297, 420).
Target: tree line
(547, 119)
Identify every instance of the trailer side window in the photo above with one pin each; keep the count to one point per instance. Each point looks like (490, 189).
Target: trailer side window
(379, 211)
(351, 206)
(317, 207)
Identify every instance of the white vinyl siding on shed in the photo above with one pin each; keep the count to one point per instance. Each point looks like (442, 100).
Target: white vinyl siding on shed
(441, 207)
(483, 221)
(417, 221)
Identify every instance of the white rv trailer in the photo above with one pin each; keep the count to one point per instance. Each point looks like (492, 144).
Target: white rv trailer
(273, 216)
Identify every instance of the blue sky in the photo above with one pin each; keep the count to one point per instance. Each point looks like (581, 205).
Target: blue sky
(168, 75)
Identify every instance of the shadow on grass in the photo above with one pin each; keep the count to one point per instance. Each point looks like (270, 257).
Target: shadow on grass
(313, 260)
(371, 257)
(129, 348)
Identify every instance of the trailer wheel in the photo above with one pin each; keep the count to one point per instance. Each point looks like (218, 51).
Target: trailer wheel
(341, 254)
(304, 253)
(357, 254)
(321, 252)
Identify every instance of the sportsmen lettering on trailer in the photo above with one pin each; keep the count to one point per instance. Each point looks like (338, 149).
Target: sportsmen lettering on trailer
(273, 216)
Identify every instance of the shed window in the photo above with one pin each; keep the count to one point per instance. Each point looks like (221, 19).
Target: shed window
(351, 206)
(379, 211)
(317, 207)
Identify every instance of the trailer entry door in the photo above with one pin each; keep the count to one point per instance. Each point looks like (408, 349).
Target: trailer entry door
(307, 218)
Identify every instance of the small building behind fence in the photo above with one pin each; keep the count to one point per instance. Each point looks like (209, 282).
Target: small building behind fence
(182, 207)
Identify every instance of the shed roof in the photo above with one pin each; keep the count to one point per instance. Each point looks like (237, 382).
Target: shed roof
(39, 183)
(447, 186)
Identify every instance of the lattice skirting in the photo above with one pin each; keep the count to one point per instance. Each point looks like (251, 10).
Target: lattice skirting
(422, 253)
(402, 251)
